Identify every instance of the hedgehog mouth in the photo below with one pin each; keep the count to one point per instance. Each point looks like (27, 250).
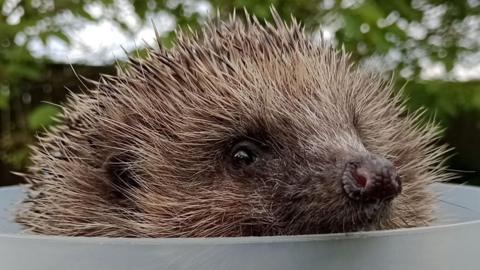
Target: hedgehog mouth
(364, 217)
(352, 217)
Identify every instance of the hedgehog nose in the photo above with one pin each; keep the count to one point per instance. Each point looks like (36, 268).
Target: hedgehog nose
(371, 179)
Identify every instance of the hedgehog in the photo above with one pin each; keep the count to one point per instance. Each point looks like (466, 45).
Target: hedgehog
(243, 128)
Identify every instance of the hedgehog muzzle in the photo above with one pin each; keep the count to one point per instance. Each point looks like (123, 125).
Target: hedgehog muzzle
(371, 179)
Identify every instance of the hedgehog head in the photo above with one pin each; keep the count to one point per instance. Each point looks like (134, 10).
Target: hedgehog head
(242, 129)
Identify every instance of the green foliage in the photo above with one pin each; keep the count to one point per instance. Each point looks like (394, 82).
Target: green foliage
(4, 97)
(414, 31)
(445, 100)
(42, 116)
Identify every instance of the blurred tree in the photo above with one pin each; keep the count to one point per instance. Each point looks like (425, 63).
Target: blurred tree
(432, 45)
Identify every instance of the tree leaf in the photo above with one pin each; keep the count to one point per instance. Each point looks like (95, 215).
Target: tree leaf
(42, 116)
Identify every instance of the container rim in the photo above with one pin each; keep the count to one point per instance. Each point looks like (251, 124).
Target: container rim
(238, 240)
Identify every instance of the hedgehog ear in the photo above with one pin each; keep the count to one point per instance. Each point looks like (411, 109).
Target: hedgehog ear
(119, 171)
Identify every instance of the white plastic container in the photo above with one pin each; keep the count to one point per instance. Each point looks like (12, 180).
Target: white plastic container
(453, 243)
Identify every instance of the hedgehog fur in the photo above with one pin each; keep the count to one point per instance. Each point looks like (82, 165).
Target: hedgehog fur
(147, 153)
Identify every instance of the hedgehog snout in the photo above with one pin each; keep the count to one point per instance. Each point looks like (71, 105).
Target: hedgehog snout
(371, 179)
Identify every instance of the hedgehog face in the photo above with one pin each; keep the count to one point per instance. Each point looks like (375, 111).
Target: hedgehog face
(310, 188)
(310, 173)
(243, 130)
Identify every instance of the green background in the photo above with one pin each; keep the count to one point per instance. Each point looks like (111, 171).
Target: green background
(403, 35)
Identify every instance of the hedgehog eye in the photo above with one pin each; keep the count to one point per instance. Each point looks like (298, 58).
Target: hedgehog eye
(243, 154)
